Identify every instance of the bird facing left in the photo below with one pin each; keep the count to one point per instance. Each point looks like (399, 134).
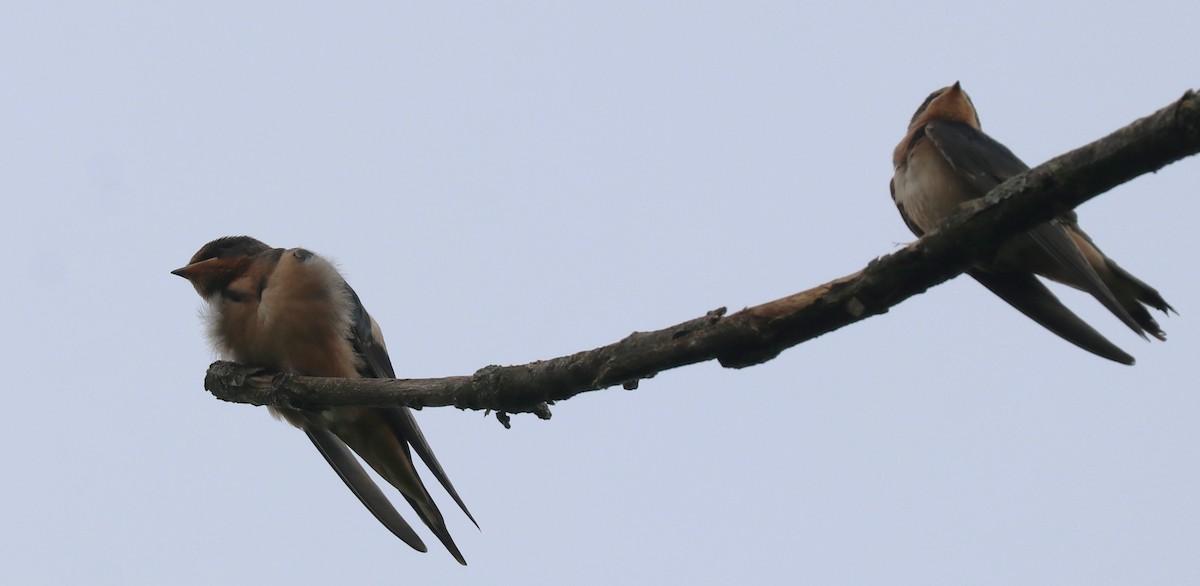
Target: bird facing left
(289, 310)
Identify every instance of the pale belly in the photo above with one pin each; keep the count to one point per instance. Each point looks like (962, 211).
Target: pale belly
(928, 189)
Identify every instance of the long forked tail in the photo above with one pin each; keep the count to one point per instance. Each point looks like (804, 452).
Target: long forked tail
(1031, 297)
(356, 478)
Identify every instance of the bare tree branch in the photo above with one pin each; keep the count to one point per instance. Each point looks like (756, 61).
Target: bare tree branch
(760, 333)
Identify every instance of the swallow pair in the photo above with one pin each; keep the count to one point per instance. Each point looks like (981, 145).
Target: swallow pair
(945, 159)
(291, 311)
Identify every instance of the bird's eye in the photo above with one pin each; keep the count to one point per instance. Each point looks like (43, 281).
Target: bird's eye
(302, 255)
(233, 295)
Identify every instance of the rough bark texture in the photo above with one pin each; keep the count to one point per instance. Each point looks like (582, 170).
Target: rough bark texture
(757, 334)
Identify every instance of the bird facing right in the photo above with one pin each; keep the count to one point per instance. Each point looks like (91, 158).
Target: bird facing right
(945, 159)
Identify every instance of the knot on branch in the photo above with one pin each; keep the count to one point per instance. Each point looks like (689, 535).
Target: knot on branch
(485, 386)
(227, 381)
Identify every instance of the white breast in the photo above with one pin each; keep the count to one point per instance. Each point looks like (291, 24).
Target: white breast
(927, 187)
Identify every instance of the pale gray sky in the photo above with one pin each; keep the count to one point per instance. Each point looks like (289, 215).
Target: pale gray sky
(505, 182)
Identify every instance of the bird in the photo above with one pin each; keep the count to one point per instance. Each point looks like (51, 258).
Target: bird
(945, 159)
(290, 311)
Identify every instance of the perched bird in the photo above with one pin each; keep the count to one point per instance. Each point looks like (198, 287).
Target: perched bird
(291, 311)
(946, 159)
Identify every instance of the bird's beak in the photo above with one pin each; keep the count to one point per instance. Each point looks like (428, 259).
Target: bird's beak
(207, 269)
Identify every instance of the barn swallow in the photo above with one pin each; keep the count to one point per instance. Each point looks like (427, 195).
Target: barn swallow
(290, 311)
(946, 159)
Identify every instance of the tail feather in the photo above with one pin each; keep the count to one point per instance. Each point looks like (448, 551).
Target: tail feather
(1026, 293)
(1133, 293)
(356, 478)
(384, 446)
(407, 427)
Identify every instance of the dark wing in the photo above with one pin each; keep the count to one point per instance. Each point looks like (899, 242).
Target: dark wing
(367, 342)
(352, 473)
(985, 163)
(982, 161)
(404, 421)
(1031, 297)
(378, 364)
(1139, 290)
(1055, 240)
